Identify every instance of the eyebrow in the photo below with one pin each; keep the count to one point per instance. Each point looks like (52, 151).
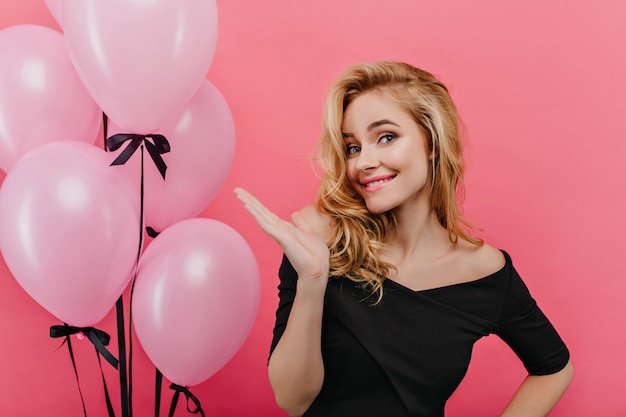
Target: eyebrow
(371, 127)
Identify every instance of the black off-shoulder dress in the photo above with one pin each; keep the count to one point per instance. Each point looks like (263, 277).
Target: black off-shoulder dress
(405, 356)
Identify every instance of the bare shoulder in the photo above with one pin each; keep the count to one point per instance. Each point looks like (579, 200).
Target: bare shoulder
(319, 222)
(481, 260)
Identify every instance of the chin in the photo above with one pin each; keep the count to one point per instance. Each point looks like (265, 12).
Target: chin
(378, 209)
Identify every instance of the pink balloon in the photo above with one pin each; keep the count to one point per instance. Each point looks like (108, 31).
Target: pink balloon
(42, 100)
(202, 142)
(195, 300)
(56, 9)
(142, 61)
(69, 230)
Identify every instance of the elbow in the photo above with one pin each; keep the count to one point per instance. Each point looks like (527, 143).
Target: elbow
(293, 410)
(295, 387)
(294, 405)
(294, 399)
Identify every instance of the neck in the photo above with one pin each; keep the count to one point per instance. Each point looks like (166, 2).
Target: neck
(418, 233)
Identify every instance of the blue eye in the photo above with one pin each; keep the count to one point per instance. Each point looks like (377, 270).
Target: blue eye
(352, 149)
(386, 138)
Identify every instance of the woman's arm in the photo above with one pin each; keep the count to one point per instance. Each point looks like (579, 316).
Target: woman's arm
(296, 369)
(539, 394)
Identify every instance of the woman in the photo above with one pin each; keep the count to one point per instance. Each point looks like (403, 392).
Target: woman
(383, 290)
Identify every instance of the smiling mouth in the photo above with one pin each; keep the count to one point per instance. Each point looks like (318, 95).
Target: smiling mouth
(377, 183)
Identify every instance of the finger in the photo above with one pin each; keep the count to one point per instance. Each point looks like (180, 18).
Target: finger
(280, 230)
(252, 204)
(269, 222)
(245, 196)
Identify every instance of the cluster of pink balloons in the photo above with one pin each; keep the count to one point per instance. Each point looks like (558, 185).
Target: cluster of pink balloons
(70, 223)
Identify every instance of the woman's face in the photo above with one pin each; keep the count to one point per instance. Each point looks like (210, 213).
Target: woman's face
(388, 160)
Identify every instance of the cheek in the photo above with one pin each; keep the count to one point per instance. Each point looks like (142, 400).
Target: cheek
(412, 156)
(402, 158)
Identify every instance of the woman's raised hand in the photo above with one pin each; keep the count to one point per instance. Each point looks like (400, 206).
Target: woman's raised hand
(304, 248)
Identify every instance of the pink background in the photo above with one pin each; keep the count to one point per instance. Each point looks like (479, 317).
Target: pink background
(541, 86)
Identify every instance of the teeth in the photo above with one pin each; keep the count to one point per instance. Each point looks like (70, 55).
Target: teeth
(375, 183)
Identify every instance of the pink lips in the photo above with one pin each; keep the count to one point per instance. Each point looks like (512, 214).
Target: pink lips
(376, 183)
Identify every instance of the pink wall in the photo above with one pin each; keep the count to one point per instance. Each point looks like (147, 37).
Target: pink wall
(542, 89)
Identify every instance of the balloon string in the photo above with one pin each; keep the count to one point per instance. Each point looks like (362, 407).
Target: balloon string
(126, 371)
(155, 149)
(106, 389)
(80, 391)
(105, 127)
(132, 290)
(158, 382)
(119, 307)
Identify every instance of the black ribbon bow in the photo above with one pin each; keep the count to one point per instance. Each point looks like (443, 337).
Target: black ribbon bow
(178, 390)
(99, 339)
(156, 148)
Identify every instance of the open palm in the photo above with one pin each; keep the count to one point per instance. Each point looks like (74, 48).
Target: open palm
(305, 249)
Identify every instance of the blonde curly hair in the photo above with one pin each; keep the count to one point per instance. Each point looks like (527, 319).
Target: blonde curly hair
(359, 236)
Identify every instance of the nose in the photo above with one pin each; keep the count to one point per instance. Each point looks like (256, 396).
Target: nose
(367, 159)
